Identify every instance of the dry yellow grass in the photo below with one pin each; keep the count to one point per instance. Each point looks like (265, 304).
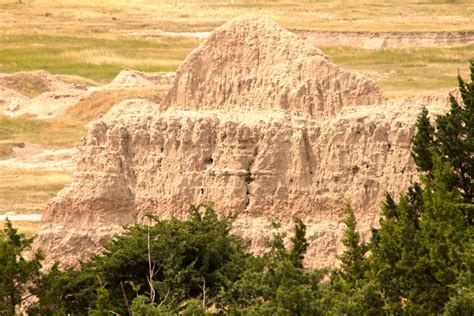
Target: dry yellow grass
(110, 18)
(95, 38)
(28, 191)
(100, 56)
(27, 228)
(30, 84)
(54, 134)
(100, 102)
(406, 72)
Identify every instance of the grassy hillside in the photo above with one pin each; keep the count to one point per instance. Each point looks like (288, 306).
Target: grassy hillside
(48, 133)
(94, 58)
(402, 72)
(95, 39)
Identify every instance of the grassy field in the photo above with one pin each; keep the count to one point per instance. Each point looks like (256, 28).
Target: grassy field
(51, 134)
(399, 72)
(89, 57)
(27, 228)
(403, 72)
(28, 191)
(109, 17)
(95, 38)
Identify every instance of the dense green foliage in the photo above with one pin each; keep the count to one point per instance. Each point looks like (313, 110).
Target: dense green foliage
(17, 273)
(419, 261)
(452, 141)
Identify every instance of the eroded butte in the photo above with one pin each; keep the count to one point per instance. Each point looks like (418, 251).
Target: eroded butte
(257, 122)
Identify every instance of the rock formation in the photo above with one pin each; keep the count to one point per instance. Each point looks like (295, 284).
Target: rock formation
(255, 65)
(47, 105)
(136, 79)
(128, 109)
(259, 123)
(55, 95)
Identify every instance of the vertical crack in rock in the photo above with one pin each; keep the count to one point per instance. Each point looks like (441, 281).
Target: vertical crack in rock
(308, 151)
(249, 177)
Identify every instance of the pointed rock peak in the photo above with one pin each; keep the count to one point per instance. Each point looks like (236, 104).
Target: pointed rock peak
(253, 64)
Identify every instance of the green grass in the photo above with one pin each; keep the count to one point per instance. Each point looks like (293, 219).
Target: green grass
(51, 134)
(412, 57)
(94, 58)
(401, 72)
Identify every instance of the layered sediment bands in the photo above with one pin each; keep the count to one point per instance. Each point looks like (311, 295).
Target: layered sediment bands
(254, 64)
(391, 40)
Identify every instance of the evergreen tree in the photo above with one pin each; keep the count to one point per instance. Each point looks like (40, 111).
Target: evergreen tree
(353, 263)
(299, 245)
(17, 273)
(103, 307)
(423, 142)
(452, 140)
(189, 259)
(277, 284)
(461, 301)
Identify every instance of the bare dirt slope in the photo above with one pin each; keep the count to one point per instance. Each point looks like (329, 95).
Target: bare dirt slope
(128, 78)
(54, 96)
(257, 122)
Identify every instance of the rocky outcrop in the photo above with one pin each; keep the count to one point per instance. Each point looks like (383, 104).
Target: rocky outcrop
(224, 136)
(55, 95)
(128, 109)
(253, 64)
(47, 105)
(136, 79)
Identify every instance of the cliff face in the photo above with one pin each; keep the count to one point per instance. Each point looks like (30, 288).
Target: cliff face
(241, 150)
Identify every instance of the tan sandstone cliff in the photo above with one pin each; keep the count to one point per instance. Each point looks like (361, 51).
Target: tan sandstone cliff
(258, 122)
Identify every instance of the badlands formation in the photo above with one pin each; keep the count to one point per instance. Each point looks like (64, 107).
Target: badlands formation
(61, 94)
(258, 122)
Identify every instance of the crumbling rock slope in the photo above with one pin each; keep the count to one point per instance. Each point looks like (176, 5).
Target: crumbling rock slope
(257, 123)
(47, 105)
(7, 95)
(253, 64)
